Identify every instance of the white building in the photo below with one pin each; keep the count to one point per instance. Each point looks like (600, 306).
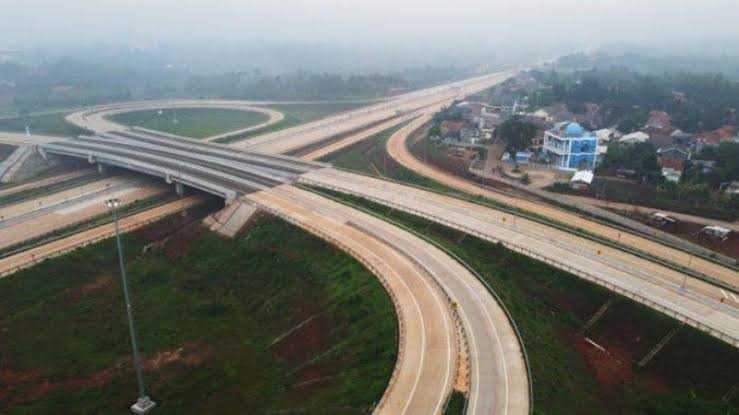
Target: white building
(633, 138)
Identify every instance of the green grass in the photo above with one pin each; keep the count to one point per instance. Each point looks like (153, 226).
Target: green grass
(549, 306)
(456, 404)
(191, 122)
(296, 114)
(43, 124)
(229, 307)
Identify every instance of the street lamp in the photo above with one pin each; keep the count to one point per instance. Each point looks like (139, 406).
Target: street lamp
(143, 404)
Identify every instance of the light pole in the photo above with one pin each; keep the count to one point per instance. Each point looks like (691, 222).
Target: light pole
(143, 404)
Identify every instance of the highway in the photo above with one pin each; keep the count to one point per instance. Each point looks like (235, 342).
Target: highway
(398, 150)
(425, 283)
(497, 369)
(27, 258)
(696, 303)
(36, 217)
(97, 118)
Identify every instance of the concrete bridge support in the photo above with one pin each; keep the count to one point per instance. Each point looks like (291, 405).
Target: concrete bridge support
(179, 188)
(656, 349)
(598, 314)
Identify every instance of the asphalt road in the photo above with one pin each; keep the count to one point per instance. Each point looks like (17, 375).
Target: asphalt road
(424, 283)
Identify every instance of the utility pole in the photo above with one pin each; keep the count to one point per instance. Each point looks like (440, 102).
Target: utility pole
(143, 404)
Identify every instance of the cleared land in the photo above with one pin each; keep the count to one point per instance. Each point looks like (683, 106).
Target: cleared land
(44, 124)
(273, 321)
(191, 122)
(692, 374)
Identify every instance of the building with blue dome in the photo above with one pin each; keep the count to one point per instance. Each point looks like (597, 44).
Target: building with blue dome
(569, 146)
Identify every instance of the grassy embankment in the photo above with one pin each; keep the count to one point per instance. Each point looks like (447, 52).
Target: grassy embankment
(690, 376)
(191, 122)
(272, 321)
(43, 124)
(296, 114)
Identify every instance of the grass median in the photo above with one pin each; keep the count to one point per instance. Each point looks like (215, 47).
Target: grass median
(191, 122)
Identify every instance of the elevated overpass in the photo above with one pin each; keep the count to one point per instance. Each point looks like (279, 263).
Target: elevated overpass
(445, 309)
(498, 371)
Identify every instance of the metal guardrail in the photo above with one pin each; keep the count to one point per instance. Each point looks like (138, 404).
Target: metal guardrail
(124, 228)
(459, 260)
(536, 218)
(593, 277)
(370, 266)
(617, 221)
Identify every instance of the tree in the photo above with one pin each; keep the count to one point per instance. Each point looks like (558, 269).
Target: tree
(517, 135)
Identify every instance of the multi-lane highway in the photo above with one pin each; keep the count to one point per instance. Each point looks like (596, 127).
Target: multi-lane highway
(448, 319)
(432, 293)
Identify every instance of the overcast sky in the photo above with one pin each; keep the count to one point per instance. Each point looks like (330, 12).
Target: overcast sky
(475, 23)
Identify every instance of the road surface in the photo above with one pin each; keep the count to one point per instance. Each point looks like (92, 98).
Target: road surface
(398, 150)
(688, 299)
(61, 246)
(428, 288)
(36, 217)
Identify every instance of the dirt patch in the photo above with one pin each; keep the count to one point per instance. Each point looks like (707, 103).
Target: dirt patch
(306, 341)
(177, 244)
(28, 386)
(74, 295)
(612, 367)
(190, 354)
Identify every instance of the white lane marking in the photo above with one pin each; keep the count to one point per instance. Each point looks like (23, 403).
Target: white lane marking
(290, 198)
(446, 329)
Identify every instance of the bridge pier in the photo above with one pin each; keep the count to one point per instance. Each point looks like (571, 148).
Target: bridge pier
(102, 169)
(179, 188)
(598, 314)
(659, 346)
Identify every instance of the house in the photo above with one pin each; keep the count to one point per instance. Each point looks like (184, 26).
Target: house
(681, 138)
(469, 135)
(671, 175)
(605, 136)
(715, 137)
(732, 189)
(581, 180)
(537, 142)
(542, 115)
(450, 128)
(568, 146)
(635, 137)
(705, 166)
(658, 120)
(661, 137)
(674, 153)
(522, 157)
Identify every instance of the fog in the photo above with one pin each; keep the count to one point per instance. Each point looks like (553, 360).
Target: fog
(363, 35)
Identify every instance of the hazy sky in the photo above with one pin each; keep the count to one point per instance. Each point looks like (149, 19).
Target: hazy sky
(473, 23)
(145, 20)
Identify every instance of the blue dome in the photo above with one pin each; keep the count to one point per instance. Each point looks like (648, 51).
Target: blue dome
(574, 129)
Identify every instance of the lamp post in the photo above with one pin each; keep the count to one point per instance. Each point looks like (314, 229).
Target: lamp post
(143, 404)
